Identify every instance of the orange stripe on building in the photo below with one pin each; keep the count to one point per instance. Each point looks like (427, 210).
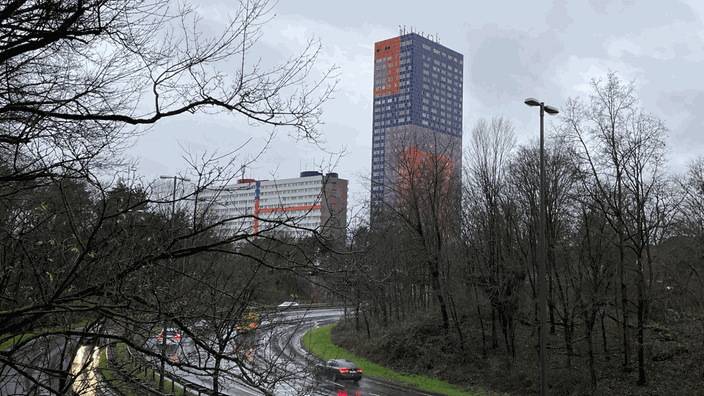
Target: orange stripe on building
(256, 216)
(289, 209)
(393, 52)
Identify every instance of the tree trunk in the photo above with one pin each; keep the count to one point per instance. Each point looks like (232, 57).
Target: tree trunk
(456, 321)
(494, 336)
(603, 335)
(641, 325)
(435, 282)
(216, 375)
(481, 323)
(590, 319)
(568, 342)
(624, 309)
(551, 306)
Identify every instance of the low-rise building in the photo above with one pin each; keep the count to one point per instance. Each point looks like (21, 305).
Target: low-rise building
(300, 206)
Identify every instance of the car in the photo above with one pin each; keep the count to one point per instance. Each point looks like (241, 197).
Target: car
(339, 369)
(202, 325)
(171, 335)
(248, 322)
(288, 304)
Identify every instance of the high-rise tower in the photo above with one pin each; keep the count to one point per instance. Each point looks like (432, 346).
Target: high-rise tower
(417, 115)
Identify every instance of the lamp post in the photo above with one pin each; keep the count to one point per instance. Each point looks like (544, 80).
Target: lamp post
(543, 273)
(163, 332)
(173, 203)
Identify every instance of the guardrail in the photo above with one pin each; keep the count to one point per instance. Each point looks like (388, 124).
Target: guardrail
(141, 366)
(187, 385)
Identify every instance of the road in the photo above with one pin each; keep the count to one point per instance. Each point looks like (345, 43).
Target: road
(281, 353)
(34, 372)
(278, 353)
(287, 344)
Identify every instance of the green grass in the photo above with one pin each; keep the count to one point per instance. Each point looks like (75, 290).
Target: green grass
(318, 342)
(14, 340)
(18, 338)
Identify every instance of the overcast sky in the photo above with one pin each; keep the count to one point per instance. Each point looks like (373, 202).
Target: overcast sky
(512, 50)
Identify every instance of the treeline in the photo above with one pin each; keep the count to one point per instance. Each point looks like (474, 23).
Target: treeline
(624, 237)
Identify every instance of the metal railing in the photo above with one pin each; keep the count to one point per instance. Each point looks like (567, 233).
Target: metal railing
(140, 366)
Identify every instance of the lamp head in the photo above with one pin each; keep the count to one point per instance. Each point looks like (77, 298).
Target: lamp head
(532, 102)
(175, 178)
(551, 110)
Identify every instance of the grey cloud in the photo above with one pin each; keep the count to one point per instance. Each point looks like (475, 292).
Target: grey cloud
(504, 64)
(559, 17)
(690, 102)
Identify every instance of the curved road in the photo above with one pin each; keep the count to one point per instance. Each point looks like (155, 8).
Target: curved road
(287, 341)
(280, 348)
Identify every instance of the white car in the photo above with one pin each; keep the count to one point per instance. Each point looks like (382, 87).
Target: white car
(202, 325)
(171, 335)
(288, 304)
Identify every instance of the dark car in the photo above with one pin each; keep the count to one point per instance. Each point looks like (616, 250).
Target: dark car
(337, 369)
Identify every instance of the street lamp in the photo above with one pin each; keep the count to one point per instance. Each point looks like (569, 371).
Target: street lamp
(542, 281)
(163, 341)
(173, 203)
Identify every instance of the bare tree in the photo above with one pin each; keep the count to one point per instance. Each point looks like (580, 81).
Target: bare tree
(491, 211)
(690, 223)
(421, 188)
(594, 252)
(80, 80)
(603, 121)
(560, 213)
(622, 149)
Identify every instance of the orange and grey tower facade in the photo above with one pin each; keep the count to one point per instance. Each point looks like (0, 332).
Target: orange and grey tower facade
(417, 112)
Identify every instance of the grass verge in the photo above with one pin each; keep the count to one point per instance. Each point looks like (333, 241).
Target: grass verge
(318, 342)
(31, 334)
